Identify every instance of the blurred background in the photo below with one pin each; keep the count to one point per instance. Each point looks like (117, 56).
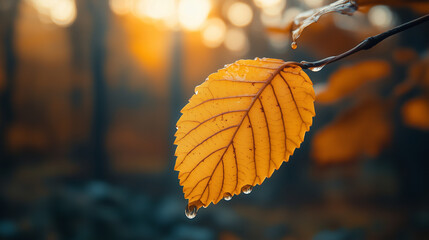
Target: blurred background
(90, 91)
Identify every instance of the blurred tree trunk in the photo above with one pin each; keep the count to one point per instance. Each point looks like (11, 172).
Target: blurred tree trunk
(177, 100)
(99, 12)
(8, 16)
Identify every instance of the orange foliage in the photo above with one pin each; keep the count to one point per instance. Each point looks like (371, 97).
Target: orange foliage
(405, 55)
(242, 123)
(418, 76)
(347, 79)
(364, 129)
(415, 113)
(22, 137)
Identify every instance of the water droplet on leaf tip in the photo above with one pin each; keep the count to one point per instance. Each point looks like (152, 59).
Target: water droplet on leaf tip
(293, 45)
(247, 189)
(191, 211)
(227, 196)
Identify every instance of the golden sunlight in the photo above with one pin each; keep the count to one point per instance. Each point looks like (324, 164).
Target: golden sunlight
(193, 13)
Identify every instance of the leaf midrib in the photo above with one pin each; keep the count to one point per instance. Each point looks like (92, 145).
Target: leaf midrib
(257, 95)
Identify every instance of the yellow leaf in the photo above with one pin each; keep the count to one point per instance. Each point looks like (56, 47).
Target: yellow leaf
(241, 124)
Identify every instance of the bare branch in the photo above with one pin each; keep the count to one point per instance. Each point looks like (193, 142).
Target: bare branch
(364, 45)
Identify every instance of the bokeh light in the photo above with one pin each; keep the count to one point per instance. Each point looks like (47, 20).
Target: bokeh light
(60, 12)
(63, 12)
(290, 14)
(138, 9)
(279, 42)
(158, 9)
(380, 16)
(193, 13)
(43, 6)
(121, 7)
(240, 14)
(214, 32)
(236, 40)
(274, 9)
(267, 3)
(271, 20)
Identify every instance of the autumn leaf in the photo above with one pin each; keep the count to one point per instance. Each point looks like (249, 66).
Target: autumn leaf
(347, 79)
(415, 113)
(241, 124)
(362, 130)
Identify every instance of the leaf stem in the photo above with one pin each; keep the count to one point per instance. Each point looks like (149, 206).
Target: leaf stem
(365, 44)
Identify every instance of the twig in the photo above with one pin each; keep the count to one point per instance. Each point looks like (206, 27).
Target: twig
(365, 44)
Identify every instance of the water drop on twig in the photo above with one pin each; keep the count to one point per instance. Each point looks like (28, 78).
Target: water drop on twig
(316, 69)
(191, 211)
(293, 45)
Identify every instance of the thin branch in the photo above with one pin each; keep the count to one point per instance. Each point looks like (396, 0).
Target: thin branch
(364, 45)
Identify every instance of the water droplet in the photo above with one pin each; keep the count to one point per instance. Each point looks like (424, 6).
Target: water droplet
(227, 196)
(316, 69)
(177, 128)
(191, 211)
(305, 19)
(247, 189)
(293, 45)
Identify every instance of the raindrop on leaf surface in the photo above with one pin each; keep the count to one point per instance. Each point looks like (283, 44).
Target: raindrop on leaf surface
(191, 211)
(227, 196)
(247, 189)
